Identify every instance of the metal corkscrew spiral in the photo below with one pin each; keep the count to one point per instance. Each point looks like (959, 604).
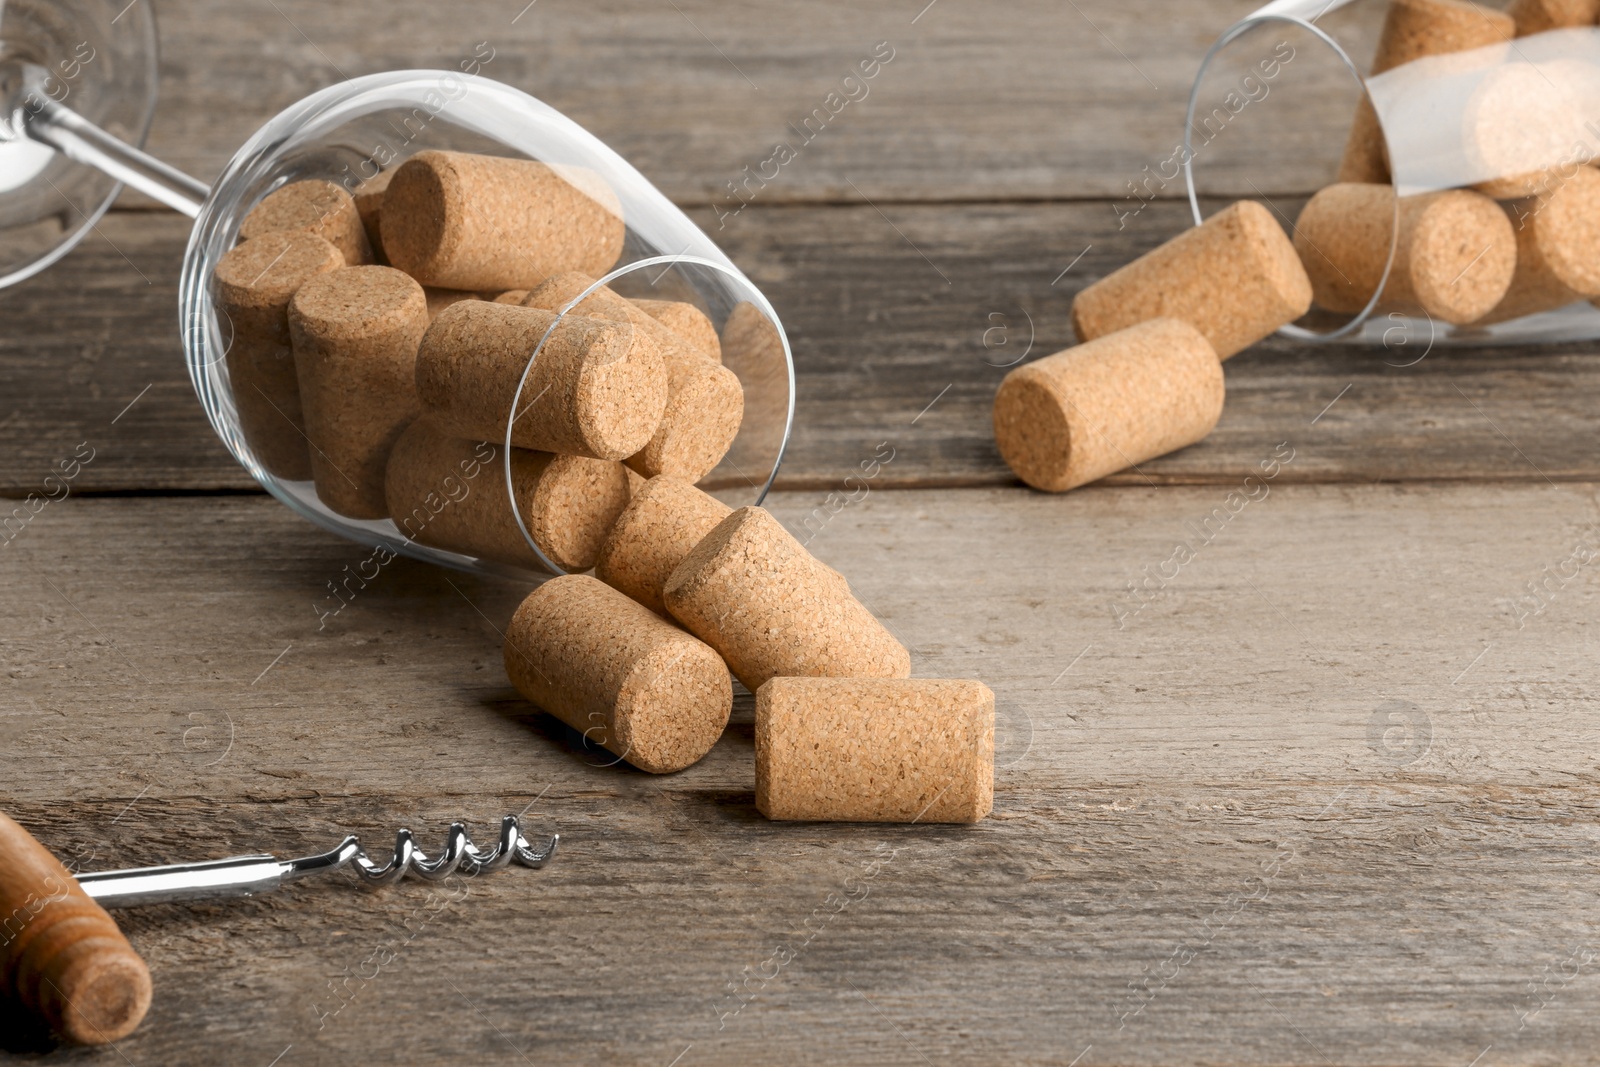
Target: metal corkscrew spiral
(240, 876)
(459, 854)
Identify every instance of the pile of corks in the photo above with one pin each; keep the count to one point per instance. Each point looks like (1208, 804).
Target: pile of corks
(380, 341)
(1147, 380)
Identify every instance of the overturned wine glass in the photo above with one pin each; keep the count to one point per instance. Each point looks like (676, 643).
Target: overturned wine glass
(77, 94)
(1469, 125)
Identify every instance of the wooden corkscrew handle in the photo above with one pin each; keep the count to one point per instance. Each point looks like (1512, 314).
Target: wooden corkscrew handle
(61, 955)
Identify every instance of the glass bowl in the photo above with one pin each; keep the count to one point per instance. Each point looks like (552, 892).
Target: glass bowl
(345, 133)
(1272, 108)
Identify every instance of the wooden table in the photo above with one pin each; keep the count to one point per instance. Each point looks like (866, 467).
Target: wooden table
(1325, 796)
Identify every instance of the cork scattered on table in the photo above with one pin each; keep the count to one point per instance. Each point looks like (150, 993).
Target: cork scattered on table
(666, 517)
(1558, 248)
(618, 673)
(407, 376)
(1235, 278)
(874, 750)
(597, 388)
(356, 333)
(1453, 260)
(1415, 29)
(457, 220)
(313, 206)
(254, 283)
(1111, 403)
(754, 593)
(63, 958)
(705, 402)
(450, 492)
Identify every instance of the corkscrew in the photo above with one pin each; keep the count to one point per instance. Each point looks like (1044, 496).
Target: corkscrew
(243, 876)
(64, 959)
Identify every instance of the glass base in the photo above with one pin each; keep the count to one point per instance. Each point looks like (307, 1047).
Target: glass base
(353, 130)
(97, 57)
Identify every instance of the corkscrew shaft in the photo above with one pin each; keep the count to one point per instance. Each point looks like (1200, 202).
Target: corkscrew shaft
(243, 876)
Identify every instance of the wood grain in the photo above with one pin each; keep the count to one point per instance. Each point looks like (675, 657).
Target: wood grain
(1316, 788)
(898, 320)
(1042, 101)
(1320, 799)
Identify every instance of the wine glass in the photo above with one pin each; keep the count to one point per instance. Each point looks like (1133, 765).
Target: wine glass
(78, 84)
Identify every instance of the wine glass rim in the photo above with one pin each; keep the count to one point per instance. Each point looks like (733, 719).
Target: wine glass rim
(760, 303)
(1262, 17)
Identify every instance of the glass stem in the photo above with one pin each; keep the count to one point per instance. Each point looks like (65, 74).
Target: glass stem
(79, 139)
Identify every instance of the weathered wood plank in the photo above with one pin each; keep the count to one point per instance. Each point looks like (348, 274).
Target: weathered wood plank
(1320, 799)
(1044, 101)
(921, 304)
(898, 321)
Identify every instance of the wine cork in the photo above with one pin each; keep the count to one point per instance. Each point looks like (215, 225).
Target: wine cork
(875, 750)
(1537, 16)
(1415, 29)
(614, 670)
(753, 593)
(316, 207)
(1454, 259)
(752, 347)
(439, 299)
(368, 197)
(688, 322)
(512, 296)
(1366, 154)
(462, 221)
(705, 402)
(1558, 249)
(61, 955)
(1235, 278)
(1531, 126)
(450, 492)
(1521, 185)
(1114, 402)
(356, 333)
(255, 282)
(664, 520)
(596, 389)
(636, 482)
